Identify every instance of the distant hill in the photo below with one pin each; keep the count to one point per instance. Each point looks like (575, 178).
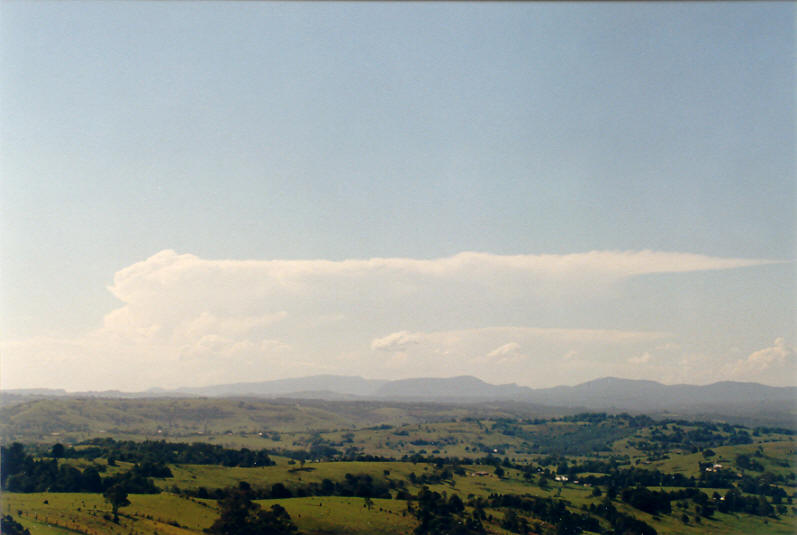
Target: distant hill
(614, 393)
(744, 401)
(463, 387)
(333, 384)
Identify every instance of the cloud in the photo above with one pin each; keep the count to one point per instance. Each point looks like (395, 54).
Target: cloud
(644, 358)
(776, 365)
(473, 337)
(778, 354)
(167, 274)
(508, 353)
(487, 353)
(186, 320)
(570, 355)
(397, 341)
(232, 325)
(506, 349)
(213, 346)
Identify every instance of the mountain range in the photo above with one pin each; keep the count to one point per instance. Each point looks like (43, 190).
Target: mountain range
(608, 393)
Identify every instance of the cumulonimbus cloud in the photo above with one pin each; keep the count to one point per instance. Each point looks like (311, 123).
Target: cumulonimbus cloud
(167, 270)
(257, 319)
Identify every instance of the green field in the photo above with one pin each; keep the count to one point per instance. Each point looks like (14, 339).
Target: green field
(478, 456)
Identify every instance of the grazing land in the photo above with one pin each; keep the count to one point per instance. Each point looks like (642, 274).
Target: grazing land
(178, 466)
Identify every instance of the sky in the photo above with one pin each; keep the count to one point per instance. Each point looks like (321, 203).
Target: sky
(196, 193)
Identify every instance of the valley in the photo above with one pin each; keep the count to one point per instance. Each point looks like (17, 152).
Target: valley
(389, 467)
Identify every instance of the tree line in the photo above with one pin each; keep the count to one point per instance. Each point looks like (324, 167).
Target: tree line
(21, 472)
(168, 452)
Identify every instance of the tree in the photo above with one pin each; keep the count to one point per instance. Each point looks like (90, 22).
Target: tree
(57, 451)
(455, 504)
(116, 495)
(9, 526)
(91, 481)
(241, 516)
(512, 522)
(275, 521)
(543, 483)
(278, 490)
(236, 510)
(12, 461)
(763, 508)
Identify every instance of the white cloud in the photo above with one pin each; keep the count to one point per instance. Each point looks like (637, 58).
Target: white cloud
(779, 353)
(214, 346)
(776, 364)
(486, 353)
(472, 337)
(773, 365)
(167, 273)
(502, 355)
(570, 355)
(397, 341)
(506, 354)
(233, 326)
(506, 349)
(644, 358)
(186, 320)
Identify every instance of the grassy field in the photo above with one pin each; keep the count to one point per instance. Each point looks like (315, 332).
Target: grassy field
(333, 514)
(362, 429)
(61, 513)
(230, 421)
(167, 513)
(89, 513)
(194, 476)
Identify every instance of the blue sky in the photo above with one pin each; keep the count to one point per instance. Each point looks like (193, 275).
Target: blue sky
(325, 132)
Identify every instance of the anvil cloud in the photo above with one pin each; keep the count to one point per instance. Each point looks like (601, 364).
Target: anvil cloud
(188, 320)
